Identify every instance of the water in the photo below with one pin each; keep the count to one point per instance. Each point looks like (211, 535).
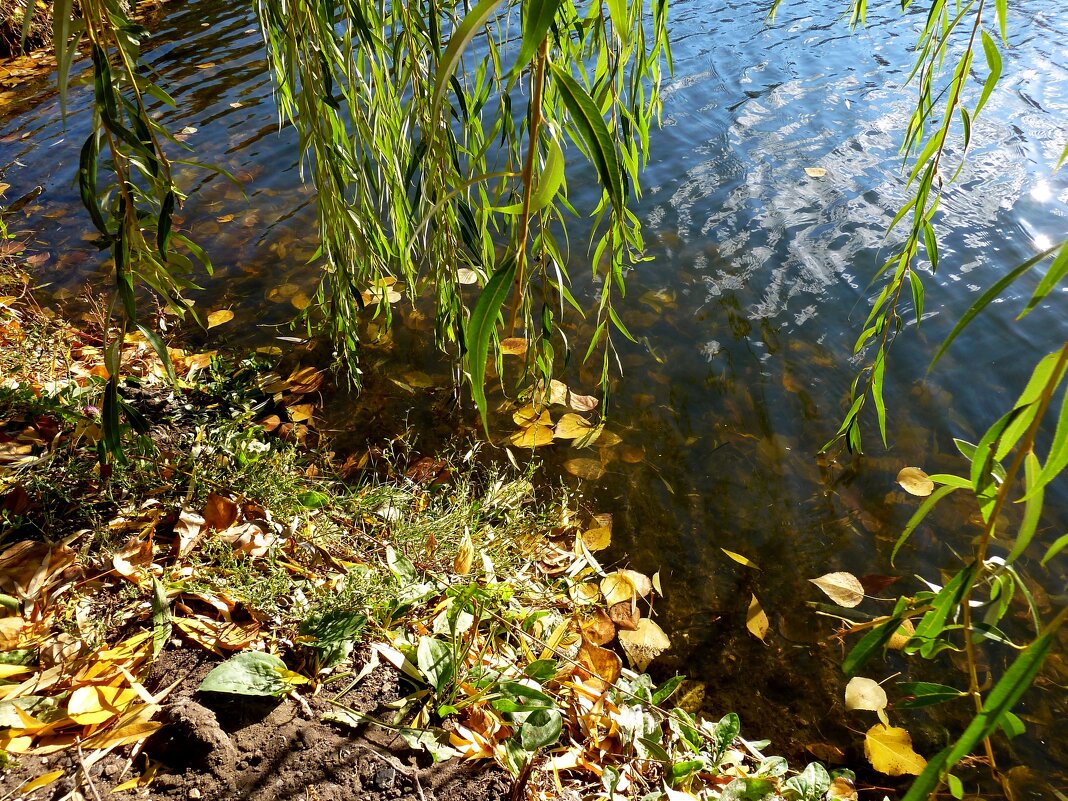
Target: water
(746, 318)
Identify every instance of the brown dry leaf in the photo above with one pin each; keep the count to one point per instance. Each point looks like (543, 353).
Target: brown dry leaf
(187, 530)
(842, 588)
(219, 317)
(514, 346)
(301, 301)
(618, 588)
(131, 562)
(589, 469)
(572, 426)
(219, 512)
(532, 437)
(632, 454)
(915, 481)
(305, 379)
(302, 412)
(644, 644)
(599, 662)
(826, 752)
(889, 749)
(841, 789)
(249, 538)
(756, 620)
(598, 628)
(625, 615)
(270, 422)
(217, 636)
(461, 565)
(27, 567)
(597, 539)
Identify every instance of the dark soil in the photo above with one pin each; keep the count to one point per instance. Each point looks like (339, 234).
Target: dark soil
(227, 747)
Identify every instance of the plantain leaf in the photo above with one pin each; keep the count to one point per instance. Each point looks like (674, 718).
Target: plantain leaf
(594, 132)
(480, 328)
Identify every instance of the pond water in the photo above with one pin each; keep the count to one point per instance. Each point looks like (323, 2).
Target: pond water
(746, 318)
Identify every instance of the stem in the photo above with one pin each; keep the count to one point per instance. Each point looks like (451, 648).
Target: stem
(528, 178)
(988, 532)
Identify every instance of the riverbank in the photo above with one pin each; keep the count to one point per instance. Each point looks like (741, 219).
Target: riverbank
(231, 610)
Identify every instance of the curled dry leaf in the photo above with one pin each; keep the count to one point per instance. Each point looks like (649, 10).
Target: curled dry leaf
(219, 512)
(644, 644)
(842, 588)
(889, 749)
(915, 482)
(599, 663)
(867, 694)
(589, 469)
(756, 620)
(249, 538)
(465, 556)
(598, 628)
(626, 615)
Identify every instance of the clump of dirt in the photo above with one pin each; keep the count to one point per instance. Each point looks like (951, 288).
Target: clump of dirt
(223, 747)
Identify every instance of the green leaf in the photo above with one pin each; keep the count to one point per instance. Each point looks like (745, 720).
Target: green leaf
(313, 499)
(1054, 275)
(161, 350)
(945, 604)
(993, 62)
(401, 566)
(667, 689)
(1058, 453)
(249, 673)
(1003, 19)
(594, 133)
(812, 783)
(480, 328)
(1055, 548)
(546, 185)
(538, 17)
(617, 10)
(998, 703)
(1032, 509)
(926, 694)
(461, 37)
(161, 617)
(1011, 725)
(541, 729)
(924, 509)
(435, 661)
(871, 642)
(956, 787)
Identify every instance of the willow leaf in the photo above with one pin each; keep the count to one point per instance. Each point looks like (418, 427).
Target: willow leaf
(480, 330)
(539, 16)
(918, 516)
(1058, 453)
(1055, 548)
(476, 18)
(594, 132)
(1054, 275)
(993, 62)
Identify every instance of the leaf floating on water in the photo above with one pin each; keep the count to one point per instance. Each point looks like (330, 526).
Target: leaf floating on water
(529, 415)
(514, 346)
(641, 582)
(815, 172)
(867, 694)
(915, 481)
(756, 621)
(589, 469)
(597, 539)
(572, 426)
(844, 589)
(219, 317)
(889, 749)
(532, 437)
(742, 560)
(618, 588)
(300, 301)
(644, 644)
(598, 629)
(626, 615)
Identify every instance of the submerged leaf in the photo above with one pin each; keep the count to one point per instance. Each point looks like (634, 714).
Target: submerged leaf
(756, 620)
(815, 172)
(589, 469)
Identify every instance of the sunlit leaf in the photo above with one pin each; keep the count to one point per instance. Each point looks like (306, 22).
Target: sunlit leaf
(645, 643)
(618, 588)
(465, 556)
(533, 436)
(597, 539)
(862, 693)
(742, 560)
(514, 346)
(589, 469)
(915, 482)
(756, 620)
(843, 588)
(219, 317)
(889, 749)
(572, 426)
(250, 673)
(815, 172)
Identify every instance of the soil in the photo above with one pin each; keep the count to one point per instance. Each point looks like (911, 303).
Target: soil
(228, 747)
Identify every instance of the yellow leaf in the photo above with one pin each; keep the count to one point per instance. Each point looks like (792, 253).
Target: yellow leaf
(756, 621)
(572, 426)
(464, 556)
(39, 782)
(641, 582)
(532, 437)
(889, 749)
(589, 469)
(514, 346)
(529, 415)
(645, 643)
(844, 589)
(134, 733)
(597, 539)
(617, 588)
(915, 481)
(7, 671)
(815, 172)
(219, 317)
(742, 560)
(90, 704)
(899, 639)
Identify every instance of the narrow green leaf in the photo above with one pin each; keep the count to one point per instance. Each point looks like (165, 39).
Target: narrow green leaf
(476, 18)
(1058, 453)
(163, 224)
(479, 331)
(944, 605)
(1055, 548)
(161, 617)
(537, 18)
(1003, 19)
(869, 644)
(161, 350)
(1054, 275)
(993, 62)
(878, 372)
(917, 517)
(62, 12)
(594, 133)
(1062, 159)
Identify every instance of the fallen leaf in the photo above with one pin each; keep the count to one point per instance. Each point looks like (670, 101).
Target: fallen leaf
(742, 560)
(642, 585)
(532, 437)
(589, 469)
(644, 644)
(219, 317)
(815, 172)
(625, 615)
(571, 426)
(598, 628)
(618, 588)
(599, 662)
(90, 704)
(842, 588)
(465, 555)
(755, 620)
(531, 415)
(915, 482)
(889, 749)
(597, 539)
(867, 694)
(41, 781)
(219, 512)
(514, 346)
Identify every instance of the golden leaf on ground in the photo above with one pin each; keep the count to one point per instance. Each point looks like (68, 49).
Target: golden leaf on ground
(514, 346)
(93, 704)
(589, 469)
(889, 749)
(125, 734)
(464, 556)
(219, 317)
(815, 172)
(597, 539)
(531, 415)
(844, 589)
(572, 426)
(867, 694)
(644, 644)
(598, 628)
(532, 437)
(915, 482)
(626, 615)
(218, 637)
(584, 593)
(742, 560)
(599, 662)
(755, 620)
(618, 588)
(219, 512)
(41, 781)
(249, 538)
(131, 562)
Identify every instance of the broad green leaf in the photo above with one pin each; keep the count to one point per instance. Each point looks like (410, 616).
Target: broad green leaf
(811, 784)
(541, 729)
(250, 673)
(436, 662)
(161, 617)
(591, 126)
(480, 328)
